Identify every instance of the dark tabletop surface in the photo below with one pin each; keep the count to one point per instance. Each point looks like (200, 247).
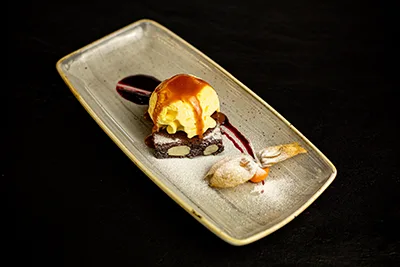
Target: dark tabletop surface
(326, 66)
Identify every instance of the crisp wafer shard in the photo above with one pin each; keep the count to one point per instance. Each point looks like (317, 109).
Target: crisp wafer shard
(274, 154)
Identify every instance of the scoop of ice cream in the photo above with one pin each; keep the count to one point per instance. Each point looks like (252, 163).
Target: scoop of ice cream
(183, 103)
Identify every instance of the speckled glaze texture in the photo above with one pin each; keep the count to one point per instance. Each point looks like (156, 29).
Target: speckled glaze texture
(238, 215)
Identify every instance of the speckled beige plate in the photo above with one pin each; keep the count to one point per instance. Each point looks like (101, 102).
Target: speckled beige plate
(240, 215)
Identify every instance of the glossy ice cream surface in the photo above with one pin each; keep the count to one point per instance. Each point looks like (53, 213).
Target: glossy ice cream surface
(184, 103)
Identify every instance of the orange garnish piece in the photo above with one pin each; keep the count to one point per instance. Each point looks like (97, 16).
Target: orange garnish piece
(260, 175)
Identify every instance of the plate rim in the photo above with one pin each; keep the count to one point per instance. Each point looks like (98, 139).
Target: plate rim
(186, 206)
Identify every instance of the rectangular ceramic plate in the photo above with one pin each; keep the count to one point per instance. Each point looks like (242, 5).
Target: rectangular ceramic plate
(239, 215)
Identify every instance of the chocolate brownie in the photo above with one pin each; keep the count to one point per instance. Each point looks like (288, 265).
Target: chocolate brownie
(178, 145)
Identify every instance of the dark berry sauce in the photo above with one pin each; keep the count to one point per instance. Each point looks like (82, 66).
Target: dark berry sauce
(137, 88)
(149, 141)
(232, 140)
(223, 119)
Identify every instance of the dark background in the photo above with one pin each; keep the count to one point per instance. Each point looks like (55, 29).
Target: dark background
(324, 65)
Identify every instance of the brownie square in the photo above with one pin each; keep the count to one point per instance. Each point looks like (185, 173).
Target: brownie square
(178, 145)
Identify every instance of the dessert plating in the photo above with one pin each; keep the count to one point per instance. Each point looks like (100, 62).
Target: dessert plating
(184, 111)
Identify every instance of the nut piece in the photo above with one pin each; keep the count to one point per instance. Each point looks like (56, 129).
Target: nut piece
(210, 149)
(179, 151)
